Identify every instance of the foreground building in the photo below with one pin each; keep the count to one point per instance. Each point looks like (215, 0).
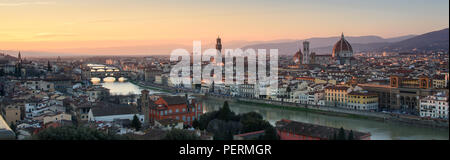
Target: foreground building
(293, 130)
(157, 108)
(108, 112)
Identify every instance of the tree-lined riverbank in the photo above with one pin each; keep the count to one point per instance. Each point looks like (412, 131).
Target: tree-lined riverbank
(383, 130)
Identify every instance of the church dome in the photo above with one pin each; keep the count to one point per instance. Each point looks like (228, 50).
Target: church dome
(298, 57)
(342, 46)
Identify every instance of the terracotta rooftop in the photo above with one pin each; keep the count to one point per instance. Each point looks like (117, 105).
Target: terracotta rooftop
(337, 87)
(313, 130)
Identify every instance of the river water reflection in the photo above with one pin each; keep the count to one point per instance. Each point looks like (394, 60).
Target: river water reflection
(379, 130)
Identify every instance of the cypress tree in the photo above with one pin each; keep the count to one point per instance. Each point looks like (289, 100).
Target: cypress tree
(135, 123)
(341, 134)
(350, 135)
(225, 112)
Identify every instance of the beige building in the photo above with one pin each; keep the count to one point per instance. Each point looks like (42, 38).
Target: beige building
(57, 118)
(40, 85)
(96, 93)
(12, 114)
(440, 81)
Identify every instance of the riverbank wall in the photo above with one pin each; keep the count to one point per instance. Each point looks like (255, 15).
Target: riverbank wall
(334, 111)
(325, 110)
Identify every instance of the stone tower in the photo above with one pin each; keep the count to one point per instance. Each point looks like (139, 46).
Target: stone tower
(219, 44)
(306, 53)
(144, 106)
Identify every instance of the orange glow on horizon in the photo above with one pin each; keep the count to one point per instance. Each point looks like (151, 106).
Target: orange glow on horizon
(135, 26)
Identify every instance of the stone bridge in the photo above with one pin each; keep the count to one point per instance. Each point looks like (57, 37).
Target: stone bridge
(103, 72)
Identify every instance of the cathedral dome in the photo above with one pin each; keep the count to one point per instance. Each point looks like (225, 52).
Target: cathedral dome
(342, 48)
(298, 57)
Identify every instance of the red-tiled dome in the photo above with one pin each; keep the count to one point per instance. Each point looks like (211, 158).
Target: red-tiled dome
(298, 57)
(341, 46)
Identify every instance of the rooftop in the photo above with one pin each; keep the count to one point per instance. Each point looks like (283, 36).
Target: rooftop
(313, 130)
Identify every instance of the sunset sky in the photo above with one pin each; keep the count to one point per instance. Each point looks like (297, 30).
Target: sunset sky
(71, 25)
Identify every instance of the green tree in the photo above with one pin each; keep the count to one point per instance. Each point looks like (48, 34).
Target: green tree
(341, 134)
(13, 127)
(135, 123)
(251, 116)
(270, 133)
(203, 121)
(350, 135)
(225, 112)
(253, 121)
(74, 133)
(179, 134)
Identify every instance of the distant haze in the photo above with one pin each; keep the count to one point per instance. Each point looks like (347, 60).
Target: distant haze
(167, 48)
(118, 27)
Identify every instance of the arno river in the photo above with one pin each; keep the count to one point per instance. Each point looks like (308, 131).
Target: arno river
(379, 130)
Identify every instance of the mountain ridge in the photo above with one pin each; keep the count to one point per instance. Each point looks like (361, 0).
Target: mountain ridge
(431, 41)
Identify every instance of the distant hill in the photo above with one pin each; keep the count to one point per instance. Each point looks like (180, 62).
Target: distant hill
(401, 38)
(324, 45)
(432, 41)
(4, 58)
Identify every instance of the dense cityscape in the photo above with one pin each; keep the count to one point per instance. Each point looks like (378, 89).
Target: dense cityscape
(224, 79)
(338, 95)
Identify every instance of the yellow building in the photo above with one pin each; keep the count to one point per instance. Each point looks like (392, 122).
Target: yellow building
(319, 81)
(345, 97)
(336, 95)
(362, 101)
(439, 81)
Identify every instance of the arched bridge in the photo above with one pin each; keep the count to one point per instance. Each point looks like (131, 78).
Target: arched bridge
(103, 72)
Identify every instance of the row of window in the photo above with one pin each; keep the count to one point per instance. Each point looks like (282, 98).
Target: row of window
(170, 111)
(433, 107)
(184, 118)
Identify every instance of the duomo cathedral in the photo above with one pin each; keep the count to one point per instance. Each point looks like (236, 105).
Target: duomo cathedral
(342, 54)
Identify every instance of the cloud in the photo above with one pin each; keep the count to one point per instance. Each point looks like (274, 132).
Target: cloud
(23, 3)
